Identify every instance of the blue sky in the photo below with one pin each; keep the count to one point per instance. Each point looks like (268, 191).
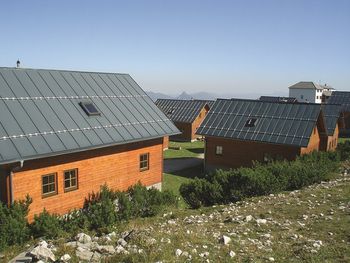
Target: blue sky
(245, 48)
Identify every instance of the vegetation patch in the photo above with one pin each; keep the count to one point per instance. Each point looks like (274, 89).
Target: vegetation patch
(184, 149)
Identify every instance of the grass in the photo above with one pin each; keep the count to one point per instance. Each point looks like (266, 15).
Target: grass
(342, 140)
(188, 149)
(284, 213)
(173, 181)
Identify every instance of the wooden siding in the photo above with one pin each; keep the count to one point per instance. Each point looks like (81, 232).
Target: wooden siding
(165, 142)
(189, 129)
(243, 153)
(118, 167)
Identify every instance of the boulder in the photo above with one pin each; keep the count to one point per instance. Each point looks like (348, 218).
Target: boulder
(178, 252)
(84, 254)
(225, 240)
(83, 238)
(43, 253)
(108, 249)
(65, 258)
(232, 254)
(122, 242)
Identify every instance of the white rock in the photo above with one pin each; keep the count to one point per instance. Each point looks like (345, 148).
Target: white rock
(112, 235)
(96, 257)
(260, 221)
(65, 258)
(43, 244)
(106, 249)
(185, 254)
(204, 255)
(122, 242)
(171, 222)
(84, 254)
(178, 252)
(271, 259)
(83, 238)
(119, 249)
(232, 254)
(248, 218)
(44, 253)
(225, 240)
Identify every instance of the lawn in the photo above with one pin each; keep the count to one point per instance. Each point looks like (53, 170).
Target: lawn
(188, 149)
(173, 181)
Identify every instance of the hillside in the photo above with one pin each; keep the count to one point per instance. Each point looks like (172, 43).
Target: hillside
(309, 225)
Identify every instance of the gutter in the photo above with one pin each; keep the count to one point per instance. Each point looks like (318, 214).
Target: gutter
(20, 166)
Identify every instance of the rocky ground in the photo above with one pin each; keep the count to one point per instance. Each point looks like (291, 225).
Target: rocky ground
(310, 225)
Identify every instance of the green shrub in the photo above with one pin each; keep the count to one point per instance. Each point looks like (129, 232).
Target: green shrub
(149, 202)
(262, 179)
(100, 210)
(46, 225)
(344, 150)
(74, 222)
(14, 227)
(201, 192)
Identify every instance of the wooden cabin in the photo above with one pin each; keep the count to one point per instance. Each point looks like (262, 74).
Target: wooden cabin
(342, 98)
(187, 115)
(63, 134)
(238, 132)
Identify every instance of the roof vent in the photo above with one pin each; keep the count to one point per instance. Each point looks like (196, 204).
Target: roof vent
(18, 63)
(251, 122)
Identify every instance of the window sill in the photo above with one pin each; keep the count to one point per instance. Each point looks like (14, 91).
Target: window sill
(48, 195)
(67, 190)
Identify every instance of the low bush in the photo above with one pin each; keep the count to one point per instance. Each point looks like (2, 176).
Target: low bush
(344, 150)
(14, 228)
(46, 225)
(262, 179)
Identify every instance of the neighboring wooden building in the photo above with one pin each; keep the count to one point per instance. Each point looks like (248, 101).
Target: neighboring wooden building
(277, 99)
(342, 98)
(63, 134)
(333, 120)
(187, 115)
(238, 132)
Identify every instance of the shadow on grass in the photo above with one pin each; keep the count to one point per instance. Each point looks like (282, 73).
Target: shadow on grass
(196, 150)
(191, 173)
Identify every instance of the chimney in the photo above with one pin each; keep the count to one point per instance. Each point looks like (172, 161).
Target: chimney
(18, 63)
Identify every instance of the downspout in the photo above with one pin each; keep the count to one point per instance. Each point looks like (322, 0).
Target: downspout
(21, 162)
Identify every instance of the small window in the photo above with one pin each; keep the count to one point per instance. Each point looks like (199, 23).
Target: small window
(49, 186)
(218, 150)
(170, 111)
(302, 96)
(89, 108)
(70, 180)
(144, 162)
(250, 122)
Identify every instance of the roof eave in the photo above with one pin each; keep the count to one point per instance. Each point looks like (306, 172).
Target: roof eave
(41, 156)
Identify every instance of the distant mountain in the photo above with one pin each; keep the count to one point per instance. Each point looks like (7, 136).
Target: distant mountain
(157, 95)
(185, 96)
(203, 95)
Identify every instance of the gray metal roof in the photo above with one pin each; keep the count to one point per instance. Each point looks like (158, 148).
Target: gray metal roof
(308, 85)
(41, 116)
(278, 99)
(278, 123)
(181, 110)
(331, 113)
(342, 98)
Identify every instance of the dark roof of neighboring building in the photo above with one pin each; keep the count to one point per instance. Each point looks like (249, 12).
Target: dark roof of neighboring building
(331, 113)
(46, 113)
(181, 110)
(254, 120)
(342, 98)
(278, 99)
(308, 85)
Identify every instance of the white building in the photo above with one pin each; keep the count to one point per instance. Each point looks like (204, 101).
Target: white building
(308, 91)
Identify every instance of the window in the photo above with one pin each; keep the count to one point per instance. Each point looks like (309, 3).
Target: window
(70, 180)
(218, 150)
(250, 122)
(144, 162)
(89, 108)
(49, 186)
(302, 96)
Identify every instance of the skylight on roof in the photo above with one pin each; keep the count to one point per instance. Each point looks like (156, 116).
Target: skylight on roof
(89, 108)
(251, 122)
